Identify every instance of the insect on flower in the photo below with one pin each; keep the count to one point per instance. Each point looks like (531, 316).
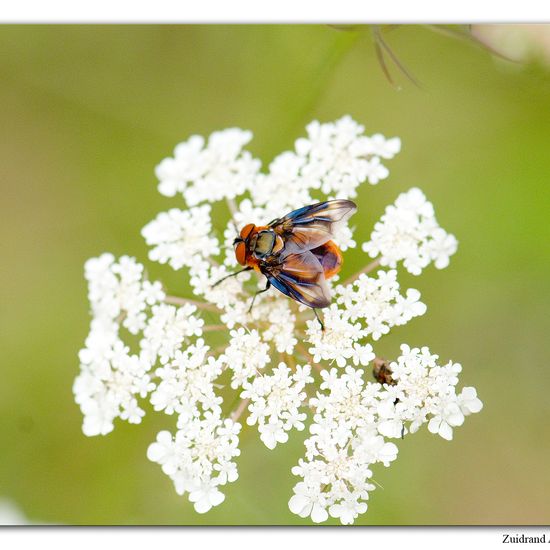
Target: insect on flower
(295, 253)
(382, 372)
(268, 357)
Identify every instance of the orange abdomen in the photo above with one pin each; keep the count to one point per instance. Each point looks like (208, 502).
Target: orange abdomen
(330, 257)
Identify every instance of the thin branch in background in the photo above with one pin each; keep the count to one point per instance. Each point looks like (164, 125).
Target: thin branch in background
(380, 45)
(382, 48)
(382, 62)
(471, 38)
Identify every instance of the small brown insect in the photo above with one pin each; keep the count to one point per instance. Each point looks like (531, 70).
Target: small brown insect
(382, 372)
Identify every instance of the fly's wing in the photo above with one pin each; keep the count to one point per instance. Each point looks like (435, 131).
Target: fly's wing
(301, 277)
(312, 226)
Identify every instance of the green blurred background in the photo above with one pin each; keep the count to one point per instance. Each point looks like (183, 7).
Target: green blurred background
(86, 114)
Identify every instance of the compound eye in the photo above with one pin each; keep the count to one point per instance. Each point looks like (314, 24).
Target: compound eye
(246, 230)
(240, 253)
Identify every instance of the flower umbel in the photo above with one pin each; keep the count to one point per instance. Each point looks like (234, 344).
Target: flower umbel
(286, 372)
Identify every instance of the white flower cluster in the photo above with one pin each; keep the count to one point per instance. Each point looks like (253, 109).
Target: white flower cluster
(211, 172)
(173, 359)
(425, 392)
(199, 458)
(377, 303)
(275, 402)
(111, 376)
(167, 328)
(353, 418)
(365, 307)
(409, 232)
(340, 157)
(246, 355)
(343, 445)
(119, 289)
(181, 237)
(186, 383)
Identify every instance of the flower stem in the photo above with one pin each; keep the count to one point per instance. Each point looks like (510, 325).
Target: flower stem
(235, 415)
(367, 269)
(178, 301)
(307, 356)
(212, 328)
(232, 205)
(289, 360)
(301, 348)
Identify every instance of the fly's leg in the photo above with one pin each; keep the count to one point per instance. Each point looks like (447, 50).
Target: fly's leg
(230, 275)
(267, 286)
(319, 319)
(402, 423)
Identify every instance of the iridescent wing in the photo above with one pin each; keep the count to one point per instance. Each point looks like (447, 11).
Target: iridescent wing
(312, 226)
(301, 277)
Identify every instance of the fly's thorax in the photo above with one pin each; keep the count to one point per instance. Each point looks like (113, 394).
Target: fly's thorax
(265, 243)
